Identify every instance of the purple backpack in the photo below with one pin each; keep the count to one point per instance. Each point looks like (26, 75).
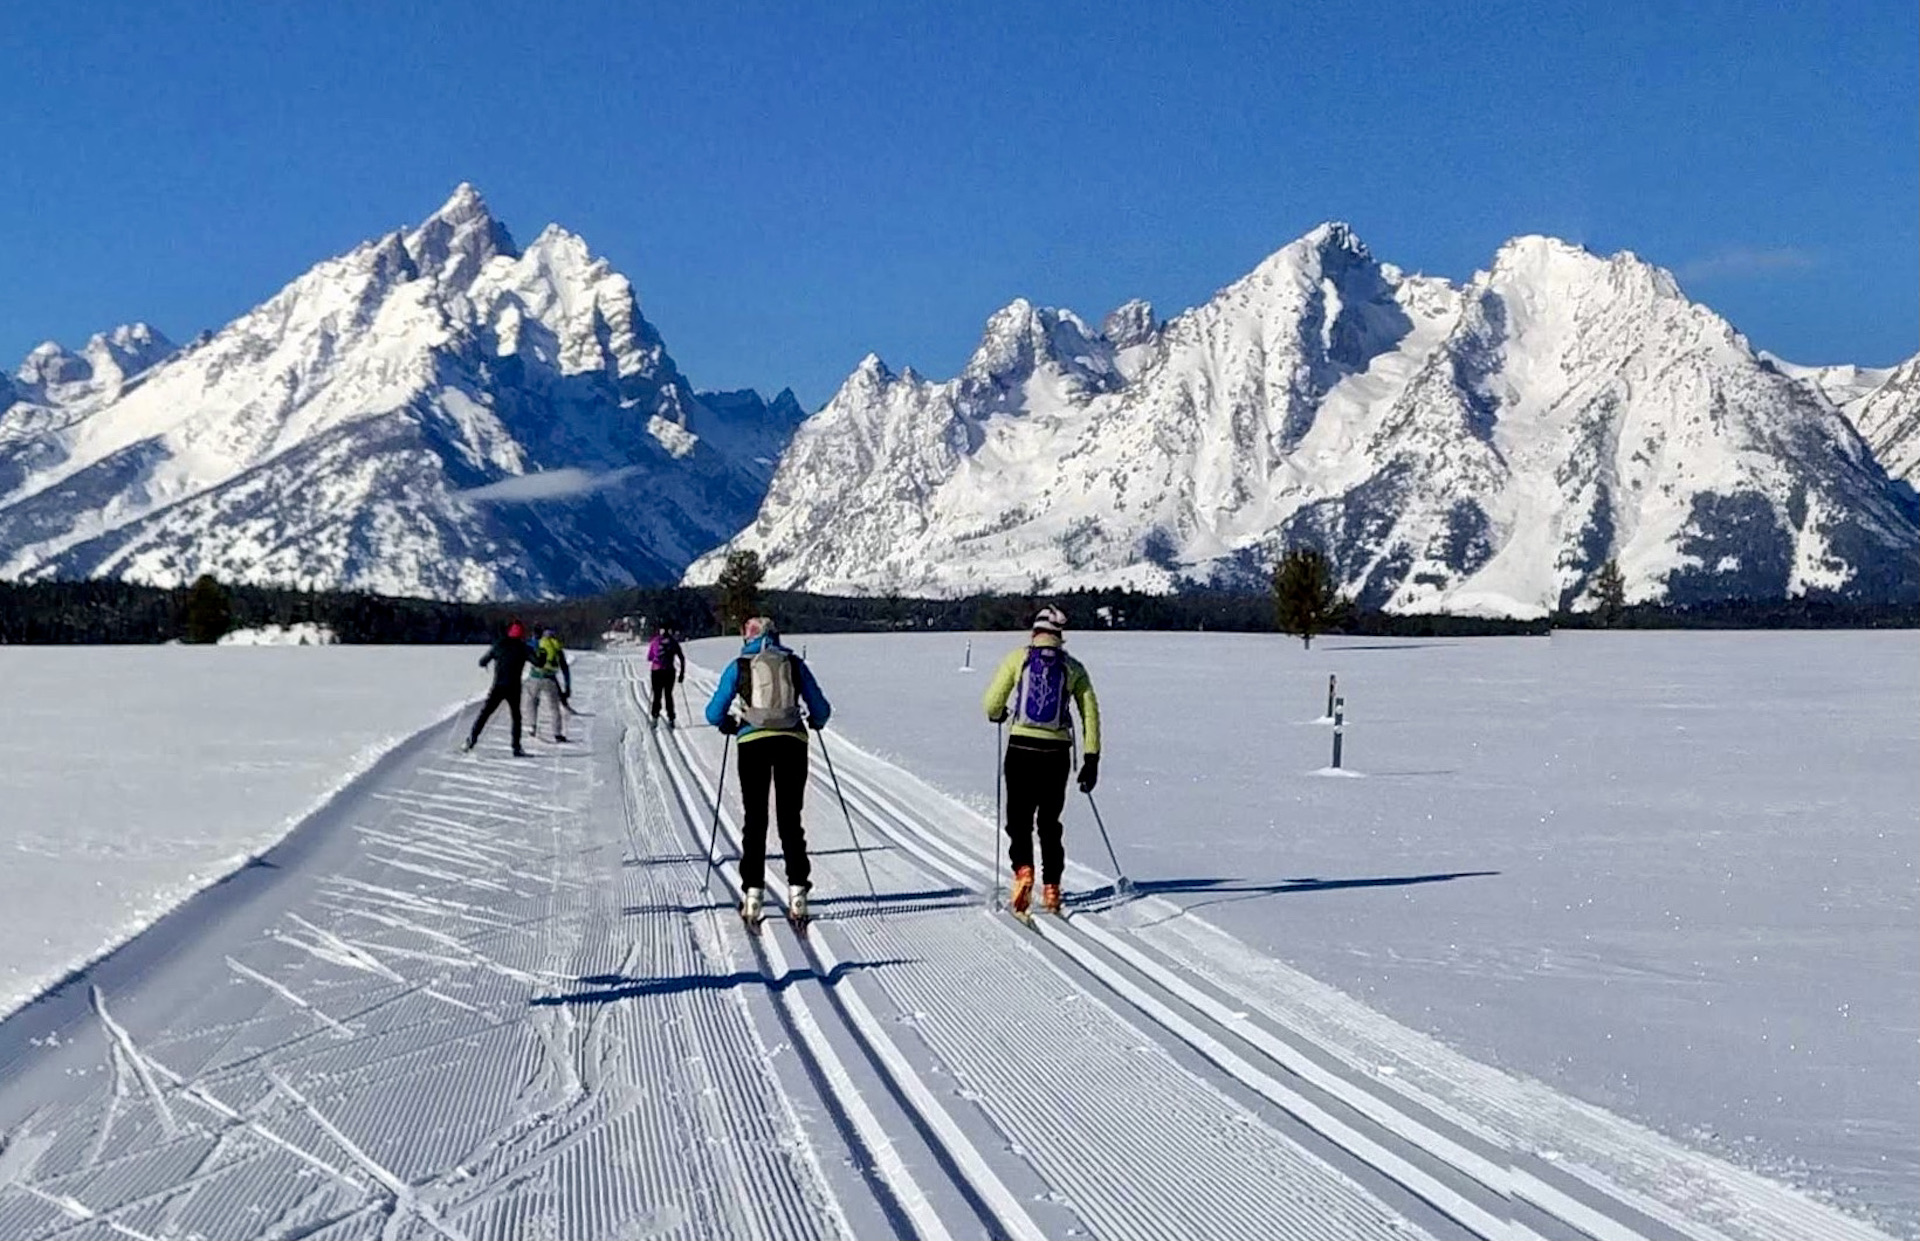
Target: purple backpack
(1042, 700)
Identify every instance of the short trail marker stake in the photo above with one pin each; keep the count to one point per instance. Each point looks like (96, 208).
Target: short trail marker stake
(966, 664)
(1339, 728)
(1330, 681)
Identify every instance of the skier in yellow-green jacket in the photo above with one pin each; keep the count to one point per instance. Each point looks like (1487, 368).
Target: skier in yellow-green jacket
(1033, 687)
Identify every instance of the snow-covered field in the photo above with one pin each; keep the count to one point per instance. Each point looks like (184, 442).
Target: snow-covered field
(131, 776)
(1672, 874)
(474, 996)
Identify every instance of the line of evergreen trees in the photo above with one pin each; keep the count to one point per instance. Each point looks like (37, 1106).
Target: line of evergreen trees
(118, 612)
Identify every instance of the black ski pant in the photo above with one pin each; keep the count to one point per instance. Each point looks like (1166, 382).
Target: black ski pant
(509, 694)
(777, 764)
(1036, 794)
(662, 683)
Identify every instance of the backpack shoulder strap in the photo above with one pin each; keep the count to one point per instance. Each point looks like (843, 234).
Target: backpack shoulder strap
(743, 679)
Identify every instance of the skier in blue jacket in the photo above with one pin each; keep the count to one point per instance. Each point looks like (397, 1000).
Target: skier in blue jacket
(771, 684)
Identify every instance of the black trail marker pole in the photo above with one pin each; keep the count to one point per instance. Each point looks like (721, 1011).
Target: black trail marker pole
(1339, 728)
(1330, 680)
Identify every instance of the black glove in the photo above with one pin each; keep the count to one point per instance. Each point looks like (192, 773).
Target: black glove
(683, 676)
(997, 715)
(729, 725)
(1089, 772)
(816, 723)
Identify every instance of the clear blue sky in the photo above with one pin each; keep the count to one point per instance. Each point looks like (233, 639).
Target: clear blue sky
(793, 184)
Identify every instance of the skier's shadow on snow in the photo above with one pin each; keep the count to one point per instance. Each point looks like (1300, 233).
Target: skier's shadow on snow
(1388, 646)
(851, 905)
(666, 907)
(1241, 890)
(860, 904)
(612, 988)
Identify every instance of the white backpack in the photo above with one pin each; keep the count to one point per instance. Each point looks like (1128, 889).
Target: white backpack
(768, 685)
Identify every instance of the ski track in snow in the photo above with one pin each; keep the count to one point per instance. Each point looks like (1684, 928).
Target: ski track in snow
(488, 998)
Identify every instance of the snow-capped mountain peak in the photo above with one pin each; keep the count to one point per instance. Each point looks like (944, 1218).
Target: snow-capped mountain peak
(52, 375)
(455, 242)
(49, 363)
(1024, 345)
(376, 425)
(1129, 324)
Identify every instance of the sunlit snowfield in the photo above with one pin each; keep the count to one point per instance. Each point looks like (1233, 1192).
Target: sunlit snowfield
(131, 776)
(1670, 874)
(1673, 874)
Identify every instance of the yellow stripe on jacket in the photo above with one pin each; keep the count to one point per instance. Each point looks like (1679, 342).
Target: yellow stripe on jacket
(1006, 679)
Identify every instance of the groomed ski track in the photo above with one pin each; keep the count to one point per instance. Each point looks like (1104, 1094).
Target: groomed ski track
(477, 997)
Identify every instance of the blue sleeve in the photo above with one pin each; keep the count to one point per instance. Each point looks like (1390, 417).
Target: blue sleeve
(723, 693)
(819, 710)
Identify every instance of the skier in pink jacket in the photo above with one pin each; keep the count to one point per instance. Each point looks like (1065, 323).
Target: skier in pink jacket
(663, 654)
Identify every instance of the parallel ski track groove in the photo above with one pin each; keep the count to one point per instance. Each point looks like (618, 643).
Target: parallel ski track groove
(1054, 1135)
(1481, 1218)
(758, 1160)
(1763, 1209)
(890, 1174)
(378, 1137)
(1783, 1212)
(898, 825)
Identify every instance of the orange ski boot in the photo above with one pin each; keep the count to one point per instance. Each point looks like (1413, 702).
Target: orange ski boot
(1050, 897)
(1022, 890)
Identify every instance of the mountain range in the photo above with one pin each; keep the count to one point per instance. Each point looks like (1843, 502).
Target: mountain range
(438, 412)
(441, 412)
(1480, 448)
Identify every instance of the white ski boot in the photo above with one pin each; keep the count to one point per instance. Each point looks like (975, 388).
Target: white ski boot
(797, 902)
(751, 906)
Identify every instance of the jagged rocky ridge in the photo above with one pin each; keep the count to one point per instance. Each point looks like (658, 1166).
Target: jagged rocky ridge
(437, 412)
(1480, 447)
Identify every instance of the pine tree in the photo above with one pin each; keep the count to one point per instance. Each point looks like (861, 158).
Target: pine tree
(209, 612)
(1610, 593)
(1304, 600)
(740, 589)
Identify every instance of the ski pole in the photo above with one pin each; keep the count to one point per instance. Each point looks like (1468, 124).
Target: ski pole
(713, 836)
(686, 703)
(993, 834)
(1122, 886)
(851, 834)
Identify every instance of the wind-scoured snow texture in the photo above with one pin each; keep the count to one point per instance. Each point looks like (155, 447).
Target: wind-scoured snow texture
(364, 429)
(131, 777)
(1478, 448)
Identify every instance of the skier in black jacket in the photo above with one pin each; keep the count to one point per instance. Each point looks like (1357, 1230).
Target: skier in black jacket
(509, 657)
